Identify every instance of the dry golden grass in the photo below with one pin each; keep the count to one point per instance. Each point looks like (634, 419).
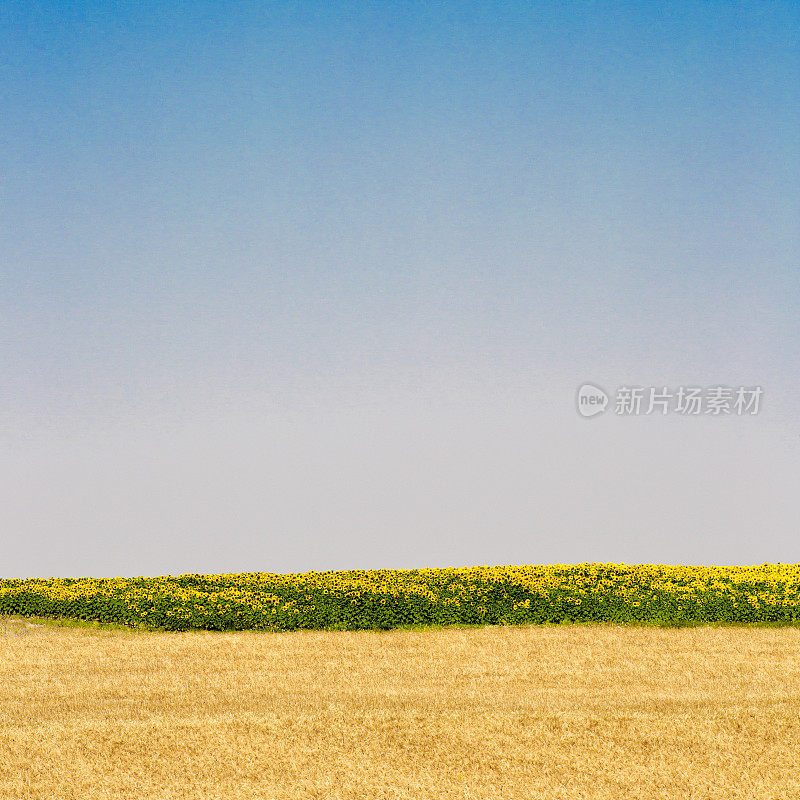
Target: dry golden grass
(559, 712)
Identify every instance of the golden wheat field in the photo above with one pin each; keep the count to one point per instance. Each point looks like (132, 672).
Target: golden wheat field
(499, 712)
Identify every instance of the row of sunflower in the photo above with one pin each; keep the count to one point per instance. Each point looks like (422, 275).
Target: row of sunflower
(380, 599)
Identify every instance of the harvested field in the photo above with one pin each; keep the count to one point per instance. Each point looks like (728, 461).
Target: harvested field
(501, 712)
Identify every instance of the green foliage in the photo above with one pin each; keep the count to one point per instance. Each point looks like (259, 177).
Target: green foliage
(383, 599)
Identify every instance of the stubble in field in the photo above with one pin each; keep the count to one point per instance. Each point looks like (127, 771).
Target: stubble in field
(555, 712)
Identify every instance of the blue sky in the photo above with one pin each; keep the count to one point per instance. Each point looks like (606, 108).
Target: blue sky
(306, 286)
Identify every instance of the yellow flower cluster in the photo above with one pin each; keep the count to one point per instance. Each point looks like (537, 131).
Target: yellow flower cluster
(643, 593)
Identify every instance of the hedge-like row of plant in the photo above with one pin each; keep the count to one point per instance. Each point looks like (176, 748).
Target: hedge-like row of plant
(667, 595)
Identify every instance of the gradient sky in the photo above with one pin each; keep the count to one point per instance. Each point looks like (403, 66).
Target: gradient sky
(294, 286)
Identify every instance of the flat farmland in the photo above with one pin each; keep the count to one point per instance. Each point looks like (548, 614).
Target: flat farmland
(572, 711)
